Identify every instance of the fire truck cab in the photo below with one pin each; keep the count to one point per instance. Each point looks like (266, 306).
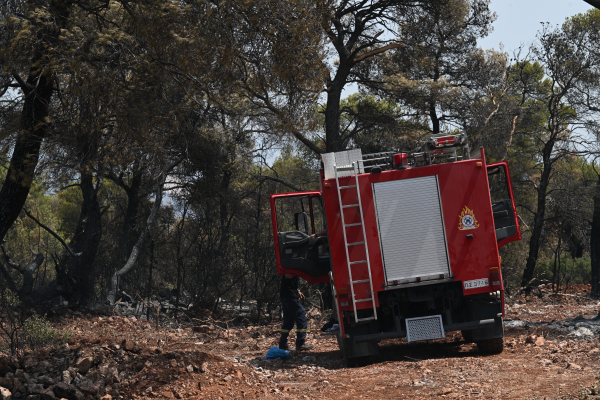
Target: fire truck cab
(412, 243)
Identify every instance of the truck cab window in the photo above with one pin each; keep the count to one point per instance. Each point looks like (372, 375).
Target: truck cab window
(298, 217)
(504, 216)
(320, 225)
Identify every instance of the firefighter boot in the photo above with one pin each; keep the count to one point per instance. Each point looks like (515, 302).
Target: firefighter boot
(283, 340)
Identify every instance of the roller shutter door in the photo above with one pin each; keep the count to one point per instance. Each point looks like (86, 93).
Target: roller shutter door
(411, 228)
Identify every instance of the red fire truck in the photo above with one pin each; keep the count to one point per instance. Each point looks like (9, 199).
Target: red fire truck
(412, 243)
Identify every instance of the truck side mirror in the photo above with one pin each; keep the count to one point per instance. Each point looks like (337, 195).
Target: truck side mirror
(301, 219)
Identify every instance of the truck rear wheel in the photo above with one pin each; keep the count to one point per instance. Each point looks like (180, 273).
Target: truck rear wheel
(467, 336)
(491, 346)
(357, 355)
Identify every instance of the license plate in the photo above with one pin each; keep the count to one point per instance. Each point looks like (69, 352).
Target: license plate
(477, 283)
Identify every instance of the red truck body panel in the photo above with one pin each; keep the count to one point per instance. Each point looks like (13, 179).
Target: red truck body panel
(447, 279)
(470, 259)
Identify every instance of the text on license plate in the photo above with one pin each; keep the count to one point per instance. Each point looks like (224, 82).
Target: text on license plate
(476, 283)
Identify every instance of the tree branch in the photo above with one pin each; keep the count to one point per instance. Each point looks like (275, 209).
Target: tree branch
(594, 3)
(9, 279)
(271, 178)
(377, 51)
(8, 261)
(50, 231)
(22, 84)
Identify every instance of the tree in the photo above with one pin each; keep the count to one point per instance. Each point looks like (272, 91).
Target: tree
(34, 53)
(586, 97)
(375, 125)
(102, 58)
(439, 72)
(564, 56)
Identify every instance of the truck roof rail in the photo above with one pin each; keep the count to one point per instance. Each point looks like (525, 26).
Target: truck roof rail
(439, 146)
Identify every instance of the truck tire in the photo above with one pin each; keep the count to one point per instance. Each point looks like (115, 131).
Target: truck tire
(467, 336)
(352, 362)
(491, 346)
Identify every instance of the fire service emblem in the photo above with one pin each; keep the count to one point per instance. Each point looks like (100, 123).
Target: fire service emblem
(467, 220)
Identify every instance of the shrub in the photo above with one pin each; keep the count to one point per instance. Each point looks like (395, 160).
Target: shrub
(11, 320)
(19, 332)
(38, 333)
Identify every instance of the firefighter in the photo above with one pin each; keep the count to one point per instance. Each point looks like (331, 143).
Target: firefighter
(293, 312)
(331, 327)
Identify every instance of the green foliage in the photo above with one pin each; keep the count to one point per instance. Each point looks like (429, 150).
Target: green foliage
(19, 333)
(234, 87)
(11, 321)
(9, 300)
(439, 73)
(38, 333)
(377, 124)
(567, 270)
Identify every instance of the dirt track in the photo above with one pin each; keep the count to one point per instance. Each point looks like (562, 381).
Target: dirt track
(132, 360)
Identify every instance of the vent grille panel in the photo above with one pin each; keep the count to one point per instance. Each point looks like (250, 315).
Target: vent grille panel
(425, 328)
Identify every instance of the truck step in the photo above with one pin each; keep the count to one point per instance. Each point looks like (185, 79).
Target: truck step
(366, 319)
(347, 187)
(361, 300)
(357, 224)
(358, 262)
(361, 281)
(355, 243)
(350, 205)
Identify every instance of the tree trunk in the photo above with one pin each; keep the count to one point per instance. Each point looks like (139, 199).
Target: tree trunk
(149, 285)
(595, 242)
(118, 275)
(28, 274)
(133, 204)
(538, 221)
(333, 139)
(33, 125)
(435, 121)
(76, 275)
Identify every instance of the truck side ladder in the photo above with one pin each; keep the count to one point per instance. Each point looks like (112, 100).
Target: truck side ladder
(360, 263)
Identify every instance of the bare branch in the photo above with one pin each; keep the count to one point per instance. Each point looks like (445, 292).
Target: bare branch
(9, 279)
(291, 186)
(50, 231)
(377, 51)
(22, 84)
(593, 3)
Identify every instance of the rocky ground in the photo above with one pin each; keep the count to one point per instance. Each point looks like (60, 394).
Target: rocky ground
(551, 352)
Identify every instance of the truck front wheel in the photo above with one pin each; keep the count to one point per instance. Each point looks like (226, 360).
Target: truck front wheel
(491, 346)
(357, 354)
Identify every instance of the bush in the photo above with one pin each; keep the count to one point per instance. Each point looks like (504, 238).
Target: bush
(38, 333)
(19, 332)
(572, 271)
(11, 321)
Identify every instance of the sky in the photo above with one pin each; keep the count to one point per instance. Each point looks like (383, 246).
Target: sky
(519, 21)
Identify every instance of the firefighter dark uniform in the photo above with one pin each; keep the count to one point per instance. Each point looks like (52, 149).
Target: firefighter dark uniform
(293, 313)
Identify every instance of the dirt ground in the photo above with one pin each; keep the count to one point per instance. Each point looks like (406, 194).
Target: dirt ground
(116, 357)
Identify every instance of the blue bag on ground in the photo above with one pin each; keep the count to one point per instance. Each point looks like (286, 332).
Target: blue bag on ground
(276, 352)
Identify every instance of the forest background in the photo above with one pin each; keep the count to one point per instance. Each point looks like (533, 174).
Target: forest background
(140, 139)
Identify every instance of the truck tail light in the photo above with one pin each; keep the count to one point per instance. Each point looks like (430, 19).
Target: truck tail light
(343, 295)
(400, 160)
(495, 277)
